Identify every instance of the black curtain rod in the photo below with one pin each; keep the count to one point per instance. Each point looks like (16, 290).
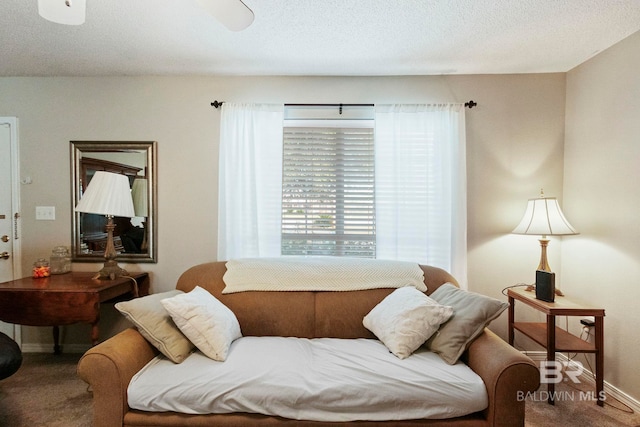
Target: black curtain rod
(329, 105)
(218, 104)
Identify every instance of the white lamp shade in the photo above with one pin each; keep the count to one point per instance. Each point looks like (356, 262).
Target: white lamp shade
(107, 194)
(233, 14)
(139, 194)
(68, 12)
(544, 217)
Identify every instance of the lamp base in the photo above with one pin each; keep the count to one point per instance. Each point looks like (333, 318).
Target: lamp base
(111, 271)
(544, 264)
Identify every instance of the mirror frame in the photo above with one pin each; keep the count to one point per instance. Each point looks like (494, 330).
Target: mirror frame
(80, 148)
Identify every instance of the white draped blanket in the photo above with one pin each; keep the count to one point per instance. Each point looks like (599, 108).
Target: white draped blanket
(322, 379)
(319, 274)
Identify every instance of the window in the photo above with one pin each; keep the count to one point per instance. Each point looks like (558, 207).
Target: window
(328, 190)
(308, 181)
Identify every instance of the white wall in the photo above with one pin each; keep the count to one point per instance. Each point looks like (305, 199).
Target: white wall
(514, 142)
(602, 200)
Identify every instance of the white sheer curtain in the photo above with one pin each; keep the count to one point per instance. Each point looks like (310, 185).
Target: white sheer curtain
(421, 193)
(250, 188)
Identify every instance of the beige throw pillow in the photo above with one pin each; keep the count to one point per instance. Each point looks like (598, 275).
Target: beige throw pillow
(405, 319)
(155, 324)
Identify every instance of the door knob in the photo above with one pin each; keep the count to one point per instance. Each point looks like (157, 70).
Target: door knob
(4, 238)
(4, 255)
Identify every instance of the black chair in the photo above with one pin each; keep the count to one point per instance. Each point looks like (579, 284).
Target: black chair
(10, 356)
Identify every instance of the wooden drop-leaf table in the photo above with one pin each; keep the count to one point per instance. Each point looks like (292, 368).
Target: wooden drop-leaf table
(65, 299)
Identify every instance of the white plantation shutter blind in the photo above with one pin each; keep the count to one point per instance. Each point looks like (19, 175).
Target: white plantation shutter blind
(328, 191)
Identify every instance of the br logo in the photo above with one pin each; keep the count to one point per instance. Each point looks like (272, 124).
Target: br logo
(553, 372)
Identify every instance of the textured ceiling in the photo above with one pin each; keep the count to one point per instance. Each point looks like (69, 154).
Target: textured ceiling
(315, 37)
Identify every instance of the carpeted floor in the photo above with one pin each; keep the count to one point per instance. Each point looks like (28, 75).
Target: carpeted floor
(46, 392)
(574, 407)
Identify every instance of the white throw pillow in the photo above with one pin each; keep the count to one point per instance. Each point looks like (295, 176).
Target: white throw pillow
(208, 323)
(405, 319)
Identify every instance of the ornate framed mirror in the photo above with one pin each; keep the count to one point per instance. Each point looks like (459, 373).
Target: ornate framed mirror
(135, 238)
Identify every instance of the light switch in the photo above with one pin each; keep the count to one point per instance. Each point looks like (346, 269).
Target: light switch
(47, 213)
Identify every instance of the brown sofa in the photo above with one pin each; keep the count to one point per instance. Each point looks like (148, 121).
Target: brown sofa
(109, 366)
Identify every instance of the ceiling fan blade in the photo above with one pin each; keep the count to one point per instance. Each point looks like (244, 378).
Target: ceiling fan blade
(68, 12)
(233, 14)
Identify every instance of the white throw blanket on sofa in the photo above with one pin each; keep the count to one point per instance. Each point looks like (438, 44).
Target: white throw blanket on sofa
(322, 379)
(319, 274)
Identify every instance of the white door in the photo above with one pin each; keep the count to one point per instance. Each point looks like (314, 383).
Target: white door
(9, 209)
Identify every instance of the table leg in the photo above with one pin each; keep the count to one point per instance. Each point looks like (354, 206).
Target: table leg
(56, 340)
(94, 333)
(512, 307)
(600, 359)
(551, 353)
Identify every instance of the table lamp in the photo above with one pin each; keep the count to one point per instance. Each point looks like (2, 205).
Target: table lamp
(544, 217)
(108, 194)
(139, 193)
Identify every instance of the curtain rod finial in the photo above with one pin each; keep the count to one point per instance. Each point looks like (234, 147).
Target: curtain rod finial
(470, 104)
(217, 103)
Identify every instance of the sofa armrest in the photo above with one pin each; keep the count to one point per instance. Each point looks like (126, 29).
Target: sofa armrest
(108, 368)
(508, 375)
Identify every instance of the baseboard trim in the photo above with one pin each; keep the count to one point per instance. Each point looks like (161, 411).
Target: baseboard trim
(48, 348)
(588, 377)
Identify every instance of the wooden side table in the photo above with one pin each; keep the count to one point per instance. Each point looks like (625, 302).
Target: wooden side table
(64, 299)
(555, 339)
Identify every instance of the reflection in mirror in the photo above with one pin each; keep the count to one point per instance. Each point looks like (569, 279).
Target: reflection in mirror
(135, 238)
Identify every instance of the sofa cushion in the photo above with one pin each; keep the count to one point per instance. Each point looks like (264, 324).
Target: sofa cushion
(321, 379)
(155, 324)
(472, 312)
(405, 319)
(207, 322)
